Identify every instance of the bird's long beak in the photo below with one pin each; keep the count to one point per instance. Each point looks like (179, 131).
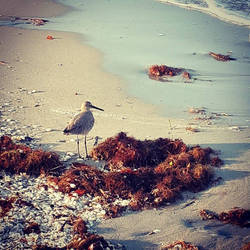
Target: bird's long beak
(94, 107)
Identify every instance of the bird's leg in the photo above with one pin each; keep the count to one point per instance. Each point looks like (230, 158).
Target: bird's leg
(77, 142)
(85, 142)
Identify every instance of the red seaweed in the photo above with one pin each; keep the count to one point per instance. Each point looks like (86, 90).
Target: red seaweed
(163, 72)
(180, 245)
(6, 205)
(236, 216)
(18, 158)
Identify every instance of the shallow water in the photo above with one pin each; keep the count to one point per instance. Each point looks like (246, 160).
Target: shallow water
(135, 34)
(237, 7)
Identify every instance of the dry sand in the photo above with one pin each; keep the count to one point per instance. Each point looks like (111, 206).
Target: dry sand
(64, 73)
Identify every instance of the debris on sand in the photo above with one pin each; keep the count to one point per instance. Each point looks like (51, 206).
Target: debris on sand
(182, 245)
(50, 37)
(220, 57)
(18, 158)
(85, 240)
(32, 227)
(3, 63)
(123, 151)
(246, 246)
(191, 129)
(196, 110)
(14, 20)
(163, 72)
(6, 205)
(24, 20)
(37, 21)
(82, 239)
(144, 174)
(236, 216)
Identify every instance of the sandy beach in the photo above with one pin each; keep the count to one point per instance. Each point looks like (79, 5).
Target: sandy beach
(43, 84)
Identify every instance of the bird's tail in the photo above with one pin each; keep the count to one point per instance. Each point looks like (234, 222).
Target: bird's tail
(66, 131)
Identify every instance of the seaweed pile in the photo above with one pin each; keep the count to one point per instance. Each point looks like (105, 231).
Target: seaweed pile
(180, 245)
(138, 175)
(17, 159)
(147, 173)
(162, 72)
(6, 205)
(14, 20)
(236, 216)
(220, 57)
(122, 151)
(82, 239)
(246, 246)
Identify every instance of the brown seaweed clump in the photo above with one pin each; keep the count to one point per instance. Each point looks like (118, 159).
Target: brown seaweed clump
(220, 57)
(162, 72)
(80, 179)
(6, 205)
(246, 246)
(37, 21)
(123, 151)
(32, 227)
(180, 245)
(82, 239)
(15, 158)
(148, 173)
(236, 216)
(85, 240)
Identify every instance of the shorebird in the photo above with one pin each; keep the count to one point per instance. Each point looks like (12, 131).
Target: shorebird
(82, 123)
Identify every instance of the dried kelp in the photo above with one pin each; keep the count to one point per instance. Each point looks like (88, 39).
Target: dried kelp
(220, 57)
(191, 129)
(123, 151)
(6, 205)
(246, 246)
(82, 239)
(236, 216)
(14, 20)
(163, 72)
(15, 158)
(32, 227)
(148, 173)
(182, 245)
(80, 179)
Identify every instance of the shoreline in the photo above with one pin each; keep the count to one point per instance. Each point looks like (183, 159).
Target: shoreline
(212, 11)
(43, 84)
(60, 71)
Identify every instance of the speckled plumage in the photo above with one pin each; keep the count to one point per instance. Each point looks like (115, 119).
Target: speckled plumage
(80, 124)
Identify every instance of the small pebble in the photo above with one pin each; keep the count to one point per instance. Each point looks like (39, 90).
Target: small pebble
(72, 185)
(49, 129)
(61, 140)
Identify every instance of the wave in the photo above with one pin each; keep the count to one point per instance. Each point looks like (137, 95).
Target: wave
(236, 12)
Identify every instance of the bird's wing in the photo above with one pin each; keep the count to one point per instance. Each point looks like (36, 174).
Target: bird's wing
(75, 123)
(81, 122)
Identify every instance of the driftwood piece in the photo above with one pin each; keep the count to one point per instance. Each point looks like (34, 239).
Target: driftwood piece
(220, 57)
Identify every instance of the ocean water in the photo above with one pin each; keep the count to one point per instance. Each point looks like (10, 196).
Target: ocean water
(236, 7)
(134, 34)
